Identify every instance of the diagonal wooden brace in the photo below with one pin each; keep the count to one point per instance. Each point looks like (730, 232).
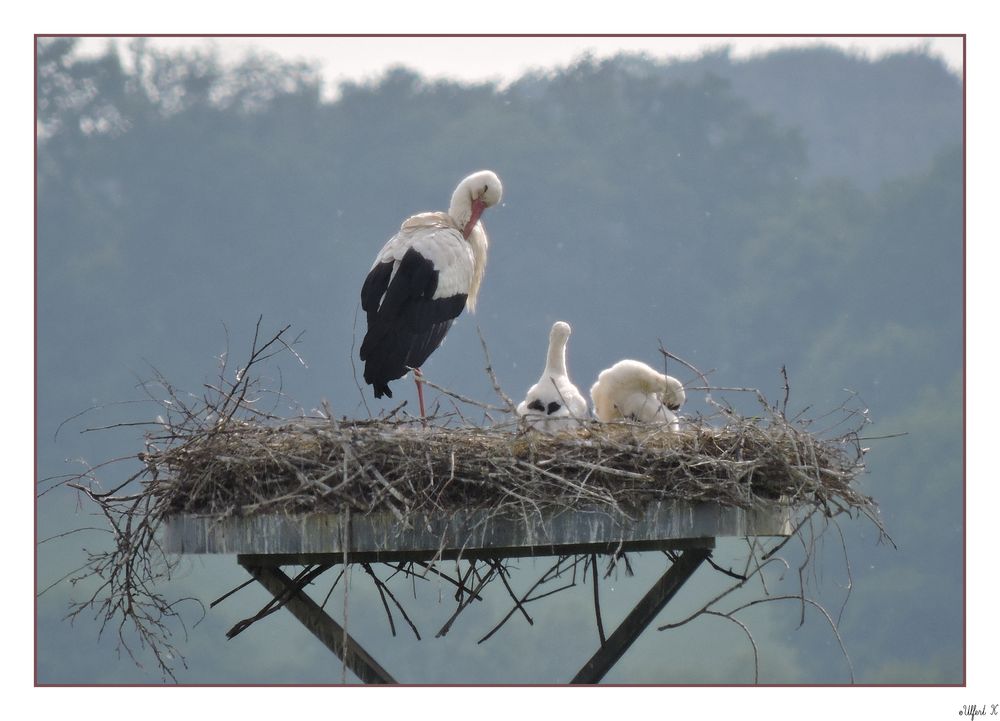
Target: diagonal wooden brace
(319, 623)
(642, 615)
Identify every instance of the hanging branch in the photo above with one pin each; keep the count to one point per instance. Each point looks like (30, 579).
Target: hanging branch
(464, 603)
(131, 571)
(597, 599)
(383, 591)
(502, 573)
(554, 572)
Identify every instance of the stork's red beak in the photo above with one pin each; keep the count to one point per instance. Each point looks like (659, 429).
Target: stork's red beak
(478, 206)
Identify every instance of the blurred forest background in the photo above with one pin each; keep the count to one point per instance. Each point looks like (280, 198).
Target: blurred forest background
(801, 209)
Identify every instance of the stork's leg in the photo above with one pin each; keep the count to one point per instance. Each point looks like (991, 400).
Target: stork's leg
(418, 379)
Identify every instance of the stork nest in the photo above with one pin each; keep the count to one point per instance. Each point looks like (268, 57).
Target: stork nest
(308, 466)
(224, 454)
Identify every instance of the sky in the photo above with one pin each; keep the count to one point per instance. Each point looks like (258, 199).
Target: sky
(289, 17)
(503, 59)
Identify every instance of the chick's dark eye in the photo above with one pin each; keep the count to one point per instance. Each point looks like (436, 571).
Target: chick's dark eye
(485, 188)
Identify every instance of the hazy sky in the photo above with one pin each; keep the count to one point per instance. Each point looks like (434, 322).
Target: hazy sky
(506, 58)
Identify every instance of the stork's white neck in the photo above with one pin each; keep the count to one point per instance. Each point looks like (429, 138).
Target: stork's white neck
(476, 192)
(555, 362)
(460, 209)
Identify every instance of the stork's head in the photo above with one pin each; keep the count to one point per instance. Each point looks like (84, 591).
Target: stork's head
(473, 195)
(636, 375)
(674, 396)
(560, 332)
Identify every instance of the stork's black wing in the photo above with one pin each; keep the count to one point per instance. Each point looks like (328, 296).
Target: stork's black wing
(405, 322)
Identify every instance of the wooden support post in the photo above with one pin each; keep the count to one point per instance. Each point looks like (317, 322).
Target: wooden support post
(319, 623)
(642, 615)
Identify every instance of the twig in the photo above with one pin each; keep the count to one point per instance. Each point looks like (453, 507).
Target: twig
(597, 600)
(509, 404)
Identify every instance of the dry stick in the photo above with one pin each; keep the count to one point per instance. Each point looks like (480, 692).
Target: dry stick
(458, 412)
(354, 368)
(304, 578)
(802, 588)
(801, 597)
(413, 580)
(613, 558)
(396, 570)
(344, 642)
(790, 536)
(784, 403)
(459, 396)
(498, 565)
(378, 586)
(62, 578)
(850, 578)
(725, 571)
(70, 533)
(107, 496)
(753, 643)
(123, 596)
(618, 554)
(704, 378)
(96, 407)
(226, 595)
(242, 385)
(525, 598)
(507, 401)
(462, 606)
(122, 424)
(597, 600)
(402, 610)
(554, 591)
(449, 579)
(752, 558)
(332, 586)
(459, 592)
(817, 606)
(383, 588)
(719, 597)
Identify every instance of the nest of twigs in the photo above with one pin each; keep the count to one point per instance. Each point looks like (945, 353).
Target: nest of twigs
(225, 457)
(243, 468)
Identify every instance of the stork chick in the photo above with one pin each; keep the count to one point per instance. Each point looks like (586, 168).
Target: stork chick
(632, 390)
(554, 403)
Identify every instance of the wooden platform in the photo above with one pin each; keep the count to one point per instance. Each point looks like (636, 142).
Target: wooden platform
(319, 541)
(382, 537)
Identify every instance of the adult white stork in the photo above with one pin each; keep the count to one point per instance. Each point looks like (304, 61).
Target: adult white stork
(554, 402)
(421, 280)
(632, 390)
